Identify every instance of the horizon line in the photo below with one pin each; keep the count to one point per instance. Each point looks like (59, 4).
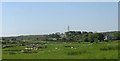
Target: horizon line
(54, 32)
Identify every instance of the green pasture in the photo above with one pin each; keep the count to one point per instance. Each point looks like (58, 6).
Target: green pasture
(66, 50)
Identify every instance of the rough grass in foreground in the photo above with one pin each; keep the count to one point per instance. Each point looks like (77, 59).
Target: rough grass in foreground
(74, 50)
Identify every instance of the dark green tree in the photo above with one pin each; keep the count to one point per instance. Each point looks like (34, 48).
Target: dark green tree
(117, 35)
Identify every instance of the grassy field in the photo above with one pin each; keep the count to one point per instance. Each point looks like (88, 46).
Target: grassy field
(66, 50)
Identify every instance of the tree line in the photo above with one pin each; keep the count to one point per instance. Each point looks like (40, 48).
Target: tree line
(77, 36)
(70, 36)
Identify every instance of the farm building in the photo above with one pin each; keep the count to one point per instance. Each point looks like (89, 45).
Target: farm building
(109, 37)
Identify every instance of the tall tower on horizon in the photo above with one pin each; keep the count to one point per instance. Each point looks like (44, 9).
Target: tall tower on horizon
(68, 28)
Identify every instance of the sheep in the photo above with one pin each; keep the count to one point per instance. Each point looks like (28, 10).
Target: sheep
(71, 47)
(56, 48)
